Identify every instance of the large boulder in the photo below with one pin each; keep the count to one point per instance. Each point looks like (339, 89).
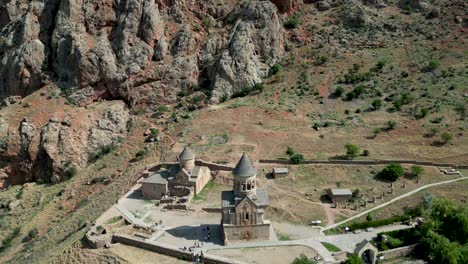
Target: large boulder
(417, 5)
(353, 14)
(256, 43)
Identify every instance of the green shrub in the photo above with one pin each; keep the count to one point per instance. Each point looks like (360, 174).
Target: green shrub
(259, 87)
(339, 91)
(391, 124)
(423, 112)
(155, 132)
(377, 104)
(290, 151)
(391, 172)
(416, 171)
(140, 155)
(446, 137)
(206, 22)
(292, 22)
(163, 108)
(297, 158)
(31, 235)
(354, 259)
(303, 259)
(352, 151)
(433, 65)
(275, 69)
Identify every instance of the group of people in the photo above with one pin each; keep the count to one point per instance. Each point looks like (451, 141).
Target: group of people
(198, 258)
(207, 230)
(198, 244)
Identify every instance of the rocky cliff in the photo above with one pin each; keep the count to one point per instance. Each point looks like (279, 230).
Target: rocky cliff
(142, 51)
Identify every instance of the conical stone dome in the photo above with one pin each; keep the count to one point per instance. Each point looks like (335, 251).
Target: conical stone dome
(186, 154)
(244, 168)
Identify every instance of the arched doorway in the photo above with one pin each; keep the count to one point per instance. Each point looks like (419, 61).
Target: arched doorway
(368, 256)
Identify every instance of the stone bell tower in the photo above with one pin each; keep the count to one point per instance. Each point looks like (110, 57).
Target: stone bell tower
(245, 177)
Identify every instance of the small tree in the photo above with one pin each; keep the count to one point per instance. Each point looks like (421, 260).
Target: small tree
(376, 131)
(427, 202)
(365, 153)
(446, 137)
(352, 151)
(339, 91)
(163, 108)
(297, 158)
(303, 259)
(369, 218)
(391, 124)
(154, 132)
(377, 104)
(290, 151)
(423, 112)
(416, 171)
(392, 172)
(356, 193)
(354, 259)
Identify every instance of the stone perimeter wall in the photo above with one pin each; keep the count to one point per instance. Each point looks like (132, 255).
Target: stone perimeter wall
(367, 162)
(397, 252)
(237, 233)
(169, 250)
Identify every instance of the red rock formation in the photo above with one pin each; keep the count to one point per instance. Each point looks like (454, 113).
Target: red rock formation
(284, 6)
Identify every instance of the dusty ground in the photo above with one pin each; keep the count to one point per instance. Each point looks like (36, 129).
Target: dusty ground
(266, 255)
(457, 192)
(134, 255)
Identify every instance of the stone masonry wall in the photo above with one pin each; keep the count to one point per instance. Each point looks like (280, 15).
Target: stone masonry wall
(234, 234)
(169, 250)
(397, 252)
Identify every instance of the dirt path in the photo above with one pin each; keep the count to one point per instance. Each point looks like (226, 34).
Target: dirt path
(393, 200)
(324, 91)
(328, 211)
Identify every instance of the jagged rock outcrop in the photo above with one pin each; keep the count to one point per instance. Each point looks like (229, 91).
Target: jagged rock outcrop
(27, 133)
(63, 148)
(256, 43)
(353, 14)
(122, 49)
(4, 137)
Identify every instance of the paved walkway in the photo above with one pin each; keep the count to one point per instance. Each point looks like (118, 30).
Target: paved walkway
(392, 201)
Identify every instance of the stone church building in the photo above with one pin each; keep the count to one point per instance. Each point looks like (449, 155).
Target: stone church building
(179, 179)
(243, 208)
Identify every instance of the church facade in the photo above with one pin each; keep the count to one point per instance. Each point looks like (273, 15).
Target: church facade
(243, 208)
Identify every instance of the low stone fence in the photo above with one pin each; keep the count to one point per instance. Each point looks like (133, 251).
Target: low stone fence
(213, 166)
(212, 209)
(169, 250)
(398, 252)
(366, 162)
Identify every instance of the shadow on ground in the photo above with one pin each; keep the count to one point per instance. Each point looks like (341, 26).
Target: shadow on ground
(199, 233)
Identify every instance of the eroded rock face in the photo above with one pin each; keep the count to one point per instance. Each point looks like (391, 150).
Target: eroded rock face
(63, 148)
(4, 137)
(256, 44)
(142, 51)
